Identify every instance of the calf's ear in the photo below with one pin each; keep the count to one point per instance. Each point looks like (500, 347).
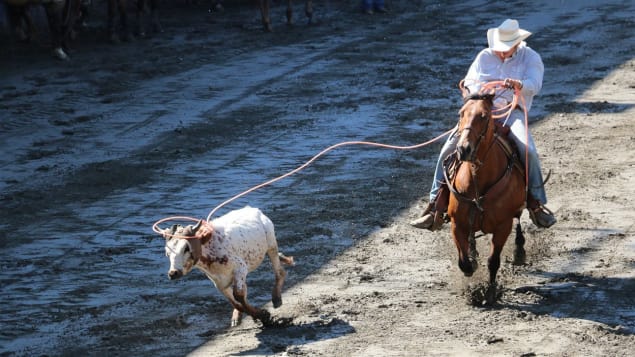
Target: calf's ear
(169, 232)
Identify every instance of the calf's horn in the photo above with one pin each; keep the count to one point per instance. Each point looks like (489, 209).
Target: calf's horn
(197, 226)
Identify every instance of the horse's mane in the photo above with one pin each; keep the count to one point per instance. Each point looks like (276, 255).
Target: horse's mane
(487, 97)
(478, 96)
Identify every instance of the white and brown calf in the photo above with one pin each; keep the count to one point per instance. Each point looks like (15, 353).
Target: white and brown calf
(226, 249)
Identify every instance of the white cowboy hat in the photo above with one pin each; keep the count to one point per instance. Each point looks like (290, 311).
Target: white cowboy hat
(506, 36)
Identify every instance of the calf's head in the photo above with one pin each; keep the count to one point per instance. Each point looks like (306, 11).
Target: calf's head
(183, 246)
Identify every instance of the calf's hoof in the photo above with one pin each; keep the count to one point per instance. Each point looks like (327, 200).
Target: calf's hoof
(277, 302)
(264, 317)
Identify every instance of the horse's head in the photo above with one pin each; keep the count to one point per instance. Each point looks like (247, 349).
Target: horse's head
(474, 123)
(183, 246)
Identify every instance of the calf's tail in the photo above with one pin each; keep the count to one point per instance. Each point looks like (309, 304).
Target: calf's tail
(286, 260)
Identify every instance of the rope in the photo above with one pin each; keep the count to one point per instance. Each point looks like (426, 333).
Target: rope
(155, 226)
(506, 112)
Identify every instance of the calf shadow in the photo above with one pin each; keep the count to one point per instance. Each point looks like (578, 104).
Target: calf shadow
(286, 336)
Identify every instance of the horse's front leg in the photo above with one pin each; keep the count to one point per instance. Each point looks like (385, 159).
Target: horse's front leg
(461, 240)
(499, 238)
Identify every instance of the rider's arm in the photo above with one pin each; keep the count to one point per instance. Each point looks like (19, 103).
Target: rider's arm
(535, 69)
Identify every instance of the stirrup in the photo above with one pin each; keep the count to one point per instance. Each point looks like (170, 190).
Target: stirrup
(542, 216)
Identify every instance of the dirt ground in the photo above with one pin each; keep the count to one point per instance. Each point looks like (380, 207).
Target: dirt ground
(95, 150)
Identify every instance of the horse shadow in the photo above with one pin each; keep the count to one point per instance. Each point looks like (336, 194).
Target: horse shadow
(604, 300)
(288, 336)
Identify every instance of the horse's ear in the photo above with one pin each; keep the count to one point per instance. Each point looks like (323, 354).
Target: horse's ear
(464, 90)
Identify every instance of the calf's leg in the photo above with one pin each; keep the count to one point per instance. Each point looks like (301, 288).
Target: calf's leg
(240, 294)
(276, 294)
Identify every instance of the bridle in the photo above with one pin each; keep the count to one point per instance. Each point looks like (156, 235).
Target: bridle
(478, 96)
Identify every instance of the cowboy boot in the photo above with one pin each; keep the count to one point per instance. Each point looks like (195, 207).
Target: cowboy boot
(434, 215)
(539, 214)
(427, 219)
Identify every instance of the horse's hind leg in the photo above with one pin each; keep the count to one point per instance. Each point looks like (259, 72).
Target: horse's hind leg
(519, 251)
(54, 16)
(264, 12)
(154, 16)
(141, 30)
(308, 11)
(289, 13)
(499, 238)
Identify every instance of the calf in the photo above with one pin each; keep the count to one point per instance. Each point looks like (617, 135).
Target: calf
(226, 249)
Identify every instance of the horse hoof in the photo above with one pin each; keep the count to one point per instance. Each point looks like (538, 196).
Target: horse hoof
(519, 257)
(491, 296)
(235, 323)
(60, 54)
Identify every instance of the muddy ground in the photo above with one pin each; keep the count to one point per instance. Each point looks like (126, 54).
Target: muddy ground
(95, 150)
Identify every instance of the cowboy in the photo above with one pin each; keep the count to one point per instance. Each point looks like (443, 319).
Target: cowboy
(508, 57)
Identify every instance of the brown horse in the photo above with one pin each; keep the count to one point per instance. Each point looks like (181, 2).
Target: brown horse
(264, 12)
(488, 188)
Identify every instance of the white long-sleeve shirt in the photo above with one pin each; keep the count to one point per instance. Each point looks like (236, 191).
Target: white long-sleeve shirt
(525, 65)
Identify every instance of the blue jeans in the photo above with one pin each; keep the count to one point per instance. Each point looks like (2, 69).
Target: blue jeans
(516, 122)
(370, 4)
